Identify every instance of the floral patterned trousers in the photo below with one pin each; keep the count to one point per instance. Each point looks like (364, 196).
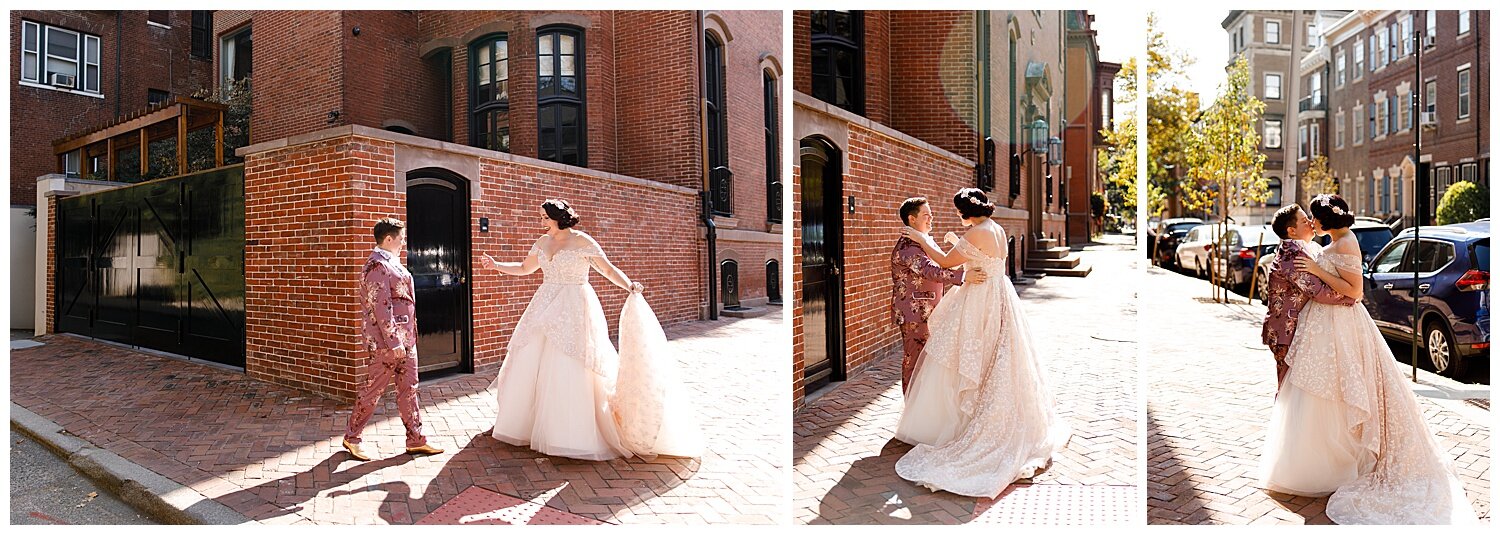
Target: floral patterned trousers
(913, 339)
(383, 364)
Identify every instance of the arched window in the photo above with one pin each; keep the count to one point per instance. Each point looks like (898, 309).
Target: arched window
(729, 275)
(720, 179)
(489, 93)
(773, 148)
(838, 59)
(560, 95)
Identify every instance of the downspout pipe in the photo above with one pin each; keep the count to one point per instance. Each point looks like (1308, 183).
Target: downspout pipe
(119, 50)
(704, 195)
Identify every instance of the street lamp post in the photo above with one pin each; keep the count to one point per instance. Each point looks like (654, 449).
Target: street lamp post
(1417, 196)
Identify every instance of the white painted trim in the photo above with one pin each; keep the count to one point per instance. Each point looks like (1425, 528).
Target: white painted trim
(158, 25)
(61, 90)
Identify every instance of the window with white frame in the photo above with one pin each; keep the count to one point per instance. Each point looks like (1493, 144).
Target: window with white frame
(1403, 102)
(1430, 100)
(59, 58)
(1273, 32)
(1463, 92)
(1315, 88)
(1339, 80)
(1359, 125)
(1406, 48)
(1312, 140)
(1383, 38)
(1272, 134)
(1302, 142)
(1430, 38)
(1273, 86)
(235, 57)
(1312, 35)
(1338, 130)
(1359, 58)
(1463, 21)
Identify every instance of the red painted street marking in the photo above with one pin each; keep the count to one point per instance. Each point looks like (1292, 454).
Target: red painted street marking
(46, 517)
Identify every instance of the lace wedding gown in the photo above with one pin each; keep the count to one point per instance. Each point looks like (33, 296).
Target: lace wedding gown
(564, 390)
(978, 409)
(1347, 424)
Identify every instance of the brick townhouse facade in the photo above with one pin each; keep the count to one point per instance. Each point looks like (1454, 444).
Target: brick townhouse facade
(467, 120)
(1374, 164)
(895, 104)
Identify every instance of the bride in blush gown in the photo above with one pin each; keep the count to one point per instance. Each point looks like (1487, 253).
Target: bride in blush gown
(563, 389)
(978, 410)
(1346, 424)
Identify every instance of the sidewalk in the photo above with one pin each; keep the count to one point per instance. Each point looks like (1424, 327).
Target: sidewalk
(1212, 384)
(845, 456)
(273, 455)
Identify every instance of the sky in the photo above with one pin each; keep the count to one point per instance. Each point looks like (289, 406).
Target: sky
(1121, 34)
(1199, 33)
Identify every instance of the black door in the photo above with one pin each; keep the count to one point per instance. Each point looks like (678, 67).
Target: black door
(822, 261)
(437, 248)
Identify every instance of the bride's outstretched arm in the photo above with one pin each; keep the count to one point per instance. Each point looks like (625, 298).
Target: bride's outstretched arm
(608, 269)
(944, 260)
(1350, 284)
(524, 267)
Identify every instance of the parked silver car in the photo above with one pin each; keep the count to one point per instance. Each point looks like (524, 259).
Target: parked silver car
(1192, 251)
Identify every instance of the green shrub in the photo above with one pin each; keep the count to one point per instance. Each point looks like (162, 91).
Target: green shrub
(1464, 202)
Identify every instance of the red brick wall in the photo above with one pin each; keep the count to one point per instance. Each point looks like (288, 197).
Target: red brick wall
(877, 48)
(50, 321)
(152, 58)
(308, 211)
(935, 94)
(799, 341)
(388, 80)
(660, 125)
(299, 73)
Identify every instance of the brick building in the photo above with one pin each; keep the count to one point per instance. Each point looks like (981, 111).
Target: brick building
(1374, 165)
(894, 104)
(1275, 43)
(462, 122)
(66, 76)
(1089, 110)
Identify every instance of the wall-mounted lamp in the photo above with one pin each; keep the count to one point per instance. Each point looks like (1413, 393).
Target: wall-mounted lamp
(1054, 151)
(1038, 131)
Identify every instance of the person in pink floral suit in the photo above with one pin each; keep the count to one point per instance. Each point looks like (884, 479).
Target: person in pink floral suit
(1289, 289)
(390, 333)
(917, 285)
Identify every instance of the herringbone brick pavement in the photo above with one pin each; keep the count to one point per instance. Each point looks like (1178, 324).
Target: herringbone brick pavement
(845, 454)
(273, 454)
(1212, 385)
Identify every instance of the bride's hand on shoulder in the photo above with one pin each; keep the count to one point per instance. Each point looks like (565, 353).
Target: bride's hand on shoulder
(1304, 263)
(913, 234)
(951, 238)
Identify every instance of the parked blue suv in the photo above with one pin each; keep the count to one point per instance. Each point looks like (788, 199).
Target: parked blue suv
(1453, 263)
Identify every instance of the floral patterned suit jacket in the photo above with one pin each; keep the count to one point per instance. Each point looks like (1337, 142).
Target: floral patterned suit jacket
(917, 282)
(1288, 290)
(389, 303)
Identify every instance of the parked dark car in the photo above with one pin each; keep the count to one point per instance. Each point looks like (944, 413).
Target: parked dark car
(1453, 281)
(1372, 236)
(1169, 233)
(1237, 251)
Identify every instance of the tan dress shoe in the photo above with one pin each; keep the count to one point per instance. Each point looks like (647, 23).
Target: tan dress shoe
(354, 452)
(425, 449)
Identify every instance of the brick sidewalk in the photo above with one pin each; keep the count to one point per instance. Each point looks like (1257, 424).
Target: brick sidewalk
(1212, 384)
(273, 454)
(845, 456)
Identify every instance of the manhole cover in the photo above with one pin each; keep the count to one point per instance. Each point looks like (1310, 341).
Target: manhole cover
(1061, 505)
(477, 506)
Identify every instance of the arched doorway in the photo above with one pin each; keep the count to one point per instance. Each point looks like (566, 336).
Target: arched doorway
(773, 281)
(437, 228)
(822, 263)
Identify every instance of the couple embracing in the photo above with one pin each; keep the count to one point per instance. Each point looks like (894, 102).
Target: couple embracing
(977, 408)
(563, 388)
(1344, 424)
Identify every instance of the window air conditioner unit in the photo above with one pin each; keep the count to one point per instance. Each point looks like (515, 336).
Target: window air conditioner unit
(1429, 40)
(64, 80)
(1429, 118)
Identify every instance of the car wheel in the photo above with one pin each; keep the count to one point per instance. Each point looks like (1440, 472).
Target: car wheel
(1260, 287)
(1441, 351)
(1198, 269)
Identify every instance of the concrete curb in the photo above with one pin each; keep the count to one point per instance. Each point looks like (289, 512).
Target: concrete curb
(160, 498)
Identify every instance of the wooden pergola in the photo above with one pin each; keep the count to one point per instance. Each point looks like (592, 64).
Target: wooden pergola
(164, 120)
